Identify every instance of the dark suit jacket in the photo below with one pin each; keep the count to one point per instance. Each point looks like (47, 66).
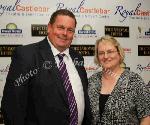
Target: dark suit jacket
(34, 93)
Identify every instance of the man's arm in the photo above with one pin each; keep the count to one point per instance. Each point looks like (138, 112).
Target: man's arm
(15, 92)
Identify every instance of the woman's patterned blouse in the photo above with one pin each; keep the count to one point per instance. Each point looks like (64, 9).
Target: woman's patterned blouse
(128, 103)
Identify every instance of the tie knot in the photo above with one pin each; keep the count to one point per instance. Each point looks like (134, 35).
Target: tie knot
(61, 56)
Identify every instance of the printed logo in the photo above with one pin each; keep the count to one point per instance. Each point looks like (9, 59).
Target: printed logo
(127, 50)
(84, 50)
(11, 30)
(19, 9)
(135, 13)
(117, 31)
(39, 30)
(86, 32)
(86, 29)
(144, 32)
(141, 68)
(143, 50)
(7, 50)
(83, 12)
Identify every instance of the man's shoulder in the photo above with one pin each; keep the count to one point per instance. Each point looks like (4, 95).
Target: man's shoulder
(30, 50)
(30, 47)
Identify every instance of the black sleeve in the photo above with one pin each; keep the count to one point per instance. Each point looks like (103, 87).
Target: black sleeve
(15, 92)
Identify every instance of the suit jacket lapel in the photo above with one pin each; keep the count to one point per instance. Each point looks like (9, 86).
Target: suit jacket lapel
(47, 55)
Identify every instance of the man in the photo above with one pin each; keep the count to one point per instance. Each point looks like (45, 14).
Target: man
(34, 93)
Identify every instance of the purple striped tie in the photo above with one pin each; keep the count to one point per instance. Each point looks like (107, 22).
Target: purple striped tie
(69, 92)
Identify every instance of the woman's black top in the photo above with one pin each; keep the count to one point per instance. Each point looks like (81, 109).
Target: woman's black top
(102, 100)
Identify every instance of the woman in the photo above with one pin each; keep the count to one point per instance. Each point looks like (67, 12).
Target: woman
(117, 95)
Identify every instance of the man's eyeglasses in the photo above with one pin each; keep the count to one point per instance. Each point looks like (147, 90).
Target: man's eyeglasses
(108, 52)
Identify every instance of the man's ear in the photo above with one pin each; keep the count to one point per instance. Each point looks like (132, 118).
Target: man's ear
(49, 27)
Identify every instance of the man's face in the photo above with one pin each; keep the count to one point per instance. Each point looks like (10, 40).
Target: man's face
(61, 32)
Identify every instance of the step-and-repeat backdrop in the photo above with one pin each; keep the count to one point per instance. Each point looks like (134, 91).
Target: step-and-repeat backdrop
(23, 22)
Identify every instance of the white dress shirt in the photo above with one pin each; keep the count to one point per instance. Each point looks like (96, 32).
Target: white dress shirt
(74, 79)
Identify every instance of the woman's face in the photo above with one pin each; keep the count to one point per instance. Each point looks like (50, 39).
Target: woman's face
(109, 57)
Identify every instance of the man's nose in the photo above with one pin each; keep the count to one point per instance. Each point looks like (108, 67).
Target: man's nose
(65, 31)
